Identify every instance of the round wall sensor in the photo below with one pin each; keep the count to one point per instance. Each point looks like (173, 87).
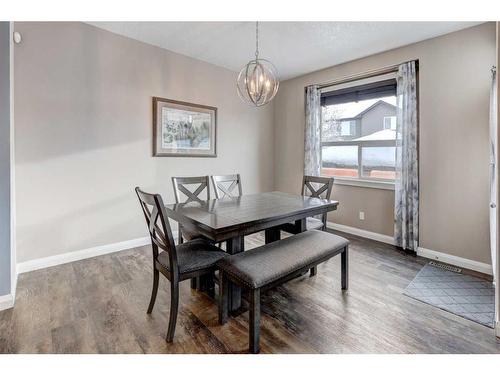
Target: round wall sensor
(17, 37)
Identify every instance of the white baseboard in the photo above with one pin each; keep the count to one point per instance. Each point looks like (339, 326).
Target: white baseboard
(423, 252)
(6, 302)
(36, 264)
(361, 233)
(455, 261)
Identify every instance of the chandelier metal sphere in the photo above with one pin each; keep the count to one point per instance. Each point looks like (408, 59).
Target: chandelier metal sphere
(257, 82)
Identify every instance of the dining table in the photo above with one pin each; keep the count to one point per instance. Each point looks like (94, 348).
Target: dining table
(230, 219)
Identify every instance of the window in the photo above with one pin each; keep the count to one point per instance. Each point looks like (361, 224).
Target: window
(390, 122)
(358, 132)
(347, 128)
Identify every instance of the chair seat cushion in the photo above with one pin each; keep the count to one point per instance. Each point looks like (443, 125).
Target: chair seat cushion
(193, 256)
(313, 223)
(260, 266)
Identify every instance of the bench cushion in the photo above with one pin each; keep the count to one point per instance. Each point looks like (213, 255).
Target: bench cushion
(258, 267)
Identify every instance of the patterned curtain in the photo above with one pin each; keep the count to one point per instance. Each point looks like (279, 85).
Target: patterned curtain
(406, 184)
(493, 169)
(312, 136)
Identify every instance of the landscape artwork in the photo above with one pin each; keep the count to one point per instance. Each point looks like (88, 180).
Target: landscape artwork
(183, 129)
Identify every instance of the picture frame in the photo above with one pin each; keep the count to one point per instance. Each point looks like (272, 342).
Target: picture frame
(182, 129)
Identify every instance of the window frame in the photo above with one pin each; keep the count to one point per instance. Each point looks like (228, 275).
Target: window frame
(372, 182)
(360, 145)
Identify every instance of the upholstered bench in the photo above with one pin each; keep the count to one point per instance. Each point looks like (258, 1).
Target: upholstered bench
(273, 264)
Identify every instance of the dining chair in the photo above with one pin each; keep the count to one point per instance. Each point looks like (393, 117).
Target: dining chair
(196, 258)
(202, 184)
(186, 190)
(225, 184)
(315, 187)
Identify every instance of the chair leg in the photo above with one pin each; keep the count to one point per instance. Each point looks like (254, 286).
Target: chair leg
(344, 260)
(254, 332)
(207, 283)
(210, 284)
(223, 298)
(313, 271)
(156, 277)
(174, 306)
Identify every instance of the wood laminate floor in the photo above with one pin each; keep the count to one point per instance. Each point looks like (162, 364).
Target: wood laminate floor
(99, 305)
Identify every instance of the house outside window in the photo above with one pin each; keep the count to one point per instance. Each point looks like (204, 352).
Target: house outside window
(358, 132)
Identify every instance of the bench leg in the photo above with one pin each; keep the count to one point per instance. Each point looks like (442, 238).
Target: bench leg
(344, 260)
(223, 298)
(254, 333)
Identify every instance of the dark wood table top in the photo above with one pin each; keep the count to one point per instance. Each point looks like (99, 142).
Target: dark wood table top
(221, 219)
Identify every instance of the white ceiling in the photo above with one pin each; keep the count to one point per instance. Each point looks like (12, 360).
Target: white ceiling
(295, 48)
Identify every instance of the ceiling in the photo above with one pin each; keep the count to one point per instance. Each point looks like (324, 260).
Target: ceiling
(295, 48)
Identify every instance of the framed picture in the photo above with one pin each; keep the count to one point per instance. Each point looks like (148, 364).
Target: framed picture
(184, 129)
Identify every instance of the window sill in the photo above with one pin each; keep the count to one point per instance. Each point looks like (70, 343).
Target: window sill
(364, 183)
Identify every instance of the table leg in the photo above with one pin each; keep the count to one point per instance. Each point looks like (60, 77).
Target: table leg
(301, 225)
(272, 234)
(234, 245)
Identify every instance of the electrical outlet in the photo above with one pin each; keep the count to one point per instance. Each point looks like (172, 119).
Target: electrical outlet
(361, 215)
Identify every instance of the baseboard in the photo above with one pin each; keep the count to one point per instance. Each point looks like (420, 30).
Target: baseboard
(423, 252)
(6, 302)
(455, 261)
(361, 233)
(73, 256)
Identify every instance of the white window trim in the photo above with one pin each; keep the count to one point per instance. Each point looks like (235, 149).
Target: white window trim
(372, 184)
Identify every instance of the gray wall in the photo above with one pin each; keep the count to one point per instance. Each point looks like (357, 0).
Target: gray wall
(5, 263)
(454, 137)
(84, 134)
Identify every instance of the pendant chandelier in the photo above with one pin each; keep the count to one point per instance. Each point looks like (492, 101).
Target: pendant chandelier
(257, 82)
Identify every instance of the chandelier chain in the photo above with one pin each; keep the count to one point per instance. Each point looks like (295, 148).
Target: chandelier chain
(257, 40)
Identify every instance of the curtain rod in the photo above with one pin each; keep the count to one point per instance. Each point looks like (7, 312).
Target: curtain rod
(367, 74)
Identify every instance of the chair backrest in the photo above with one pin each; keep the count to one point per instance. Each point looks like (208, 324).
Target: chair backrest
(180, 184)
(158, 226)
(224, 185)
(317, 187)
